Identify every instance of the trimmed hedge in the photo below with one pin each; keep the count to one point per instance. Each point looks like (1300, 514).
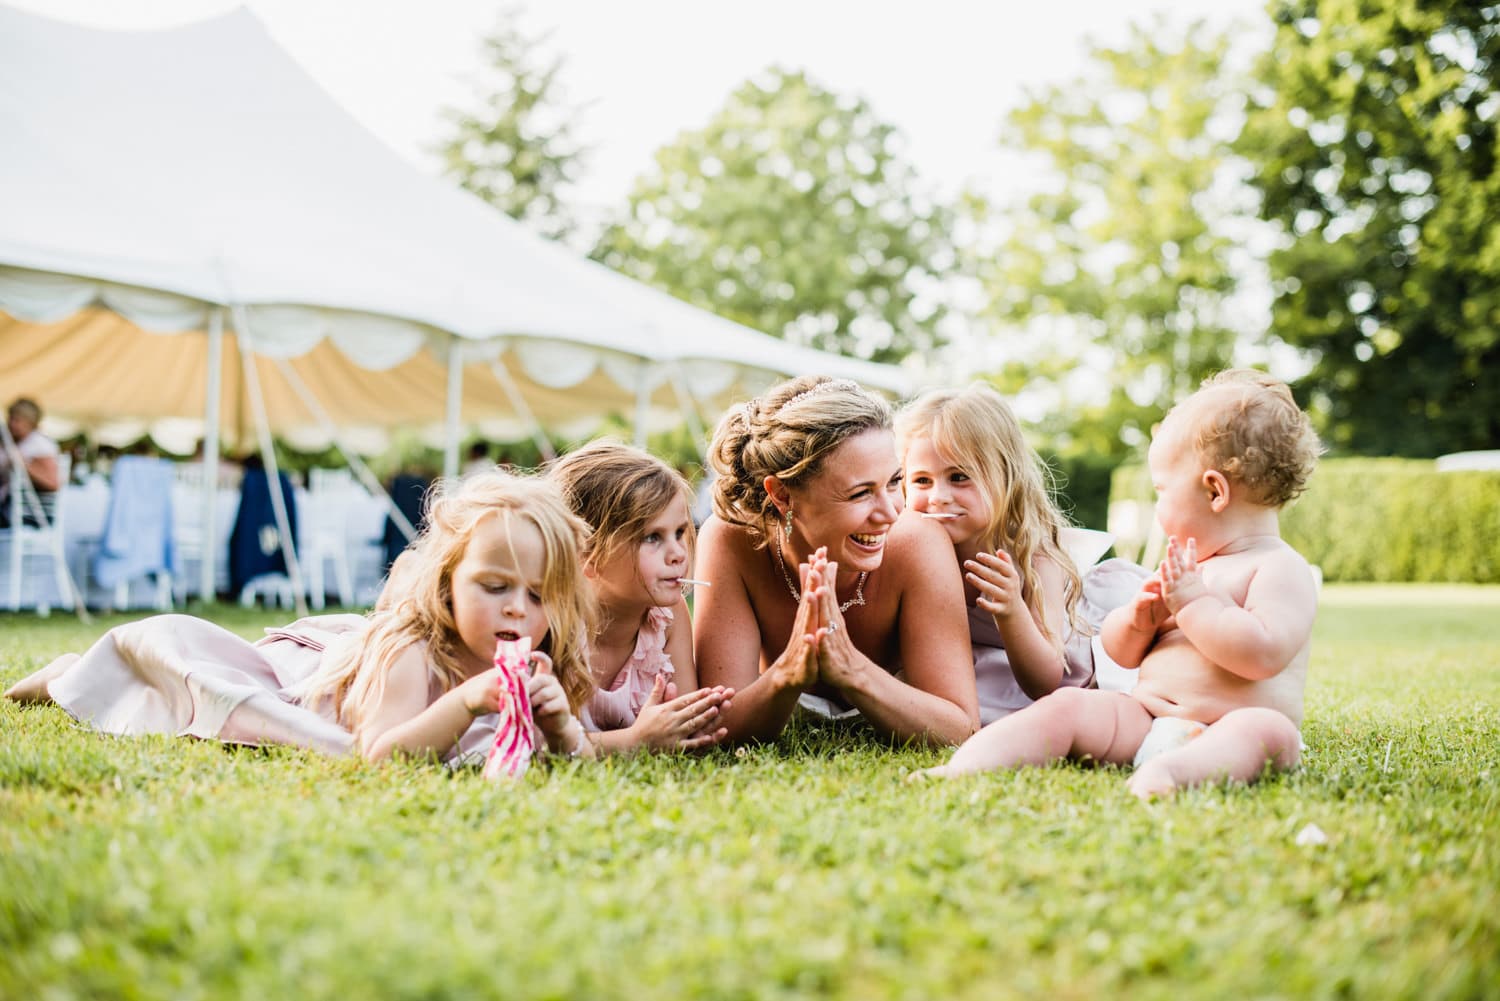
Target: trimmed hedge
(1385, 520)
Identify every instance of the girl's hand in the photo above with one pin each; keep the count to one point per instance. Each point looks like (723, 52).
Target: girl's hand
(481, 693)
(999, 584)
(1147, 611)
(669, 721)
(1182, 581)
(549, 703)
(797, 667)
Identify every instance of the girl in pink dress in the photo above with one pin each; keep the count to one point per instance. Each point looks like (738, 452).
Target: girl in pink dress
(638, 559)
(498, 561)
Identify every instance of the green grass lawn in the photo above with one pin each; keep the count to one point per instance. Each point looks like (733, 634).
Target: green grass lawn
(167, 868)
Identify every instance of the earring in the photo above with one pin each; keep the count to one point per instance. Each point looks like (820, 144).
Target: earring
(789, 521)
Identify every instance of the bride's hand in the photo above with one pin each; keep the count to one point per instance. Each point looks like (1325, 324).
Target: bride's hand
(797, 667)
(837, 655)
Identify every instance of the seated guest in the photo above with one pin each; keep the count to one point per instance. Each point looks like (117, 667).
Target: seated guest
(37, 453)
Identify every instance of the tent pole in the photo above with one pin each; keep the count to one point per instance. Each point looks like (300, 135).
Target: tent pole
(690, 411)
(455, 401)
(642, 402)
(518, 404)
(268, 456)
(207, 565)
(357, 464)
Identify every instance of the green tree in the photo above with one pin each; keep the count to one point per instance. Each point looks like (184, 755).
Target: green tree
(792, 211)
(1127, 262)
(515, 148)
(1376, 141)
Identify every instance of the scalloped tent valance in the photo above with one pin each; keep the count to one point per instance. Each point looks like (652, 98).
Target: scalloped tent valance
(153, 178)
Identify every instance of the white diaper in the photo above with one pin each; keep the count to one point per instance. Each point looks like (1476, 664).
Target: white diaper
(1167, 733)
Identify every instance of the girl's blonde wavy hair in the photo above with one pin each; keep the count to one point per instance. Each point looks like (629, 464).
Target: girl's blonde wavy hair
(617, 489)
(416, 605)
(787, 433)
(975, 430)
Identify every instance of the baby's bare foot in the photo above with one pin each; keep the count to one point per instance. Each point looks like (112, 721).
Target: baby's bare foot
(928, 774)
(1152, 781)
(33, 687)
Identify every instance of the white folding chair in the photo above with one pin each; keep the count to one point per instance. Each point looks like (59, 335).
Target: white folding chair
(37, 549)
(187, 534)
(323, 527)
(135, 545)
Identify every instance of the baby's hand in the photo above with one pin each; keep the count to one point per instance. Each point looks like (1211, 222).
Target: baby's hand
(1182, 581)
(549, 703)
(1147, 611)
(669, 721)
(999, 583)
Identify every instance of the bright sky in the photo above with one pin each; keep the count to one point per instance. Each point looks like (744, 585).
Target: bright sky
(943, 71)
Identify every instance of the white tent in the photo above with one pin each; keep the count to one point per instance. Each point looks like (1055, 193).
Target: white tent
(160, 185)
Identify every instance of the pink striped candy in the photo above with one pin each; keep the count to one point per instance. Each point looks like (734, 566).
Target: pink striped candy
(514, 742)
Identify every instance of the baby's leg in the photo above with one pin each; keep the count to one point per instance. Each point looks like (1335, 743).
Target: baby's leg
(1235, 749)
(33, 687)
(1070, 723)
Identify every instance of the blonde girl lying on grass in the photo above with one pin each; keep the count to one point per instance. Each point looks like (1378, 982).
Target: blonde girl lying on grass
(499, 560)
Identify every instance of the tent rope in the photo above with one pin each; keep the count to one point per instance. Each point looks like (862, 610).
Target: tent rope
(268, 455)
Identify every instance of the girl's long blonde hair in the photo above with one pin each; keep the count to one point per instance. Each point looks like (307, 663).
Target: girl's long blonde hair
(975, 430)
(416, 605)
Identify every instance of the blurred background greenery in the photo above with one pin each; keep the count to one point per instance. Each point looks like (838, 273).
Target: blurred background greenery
(1316, 198)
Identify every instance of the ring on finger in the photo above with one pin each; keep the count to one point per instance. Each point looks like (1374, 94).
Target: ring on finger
(833, 627)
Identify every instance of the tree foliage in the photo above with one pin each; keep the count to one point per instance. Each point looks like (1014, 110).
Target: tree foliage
(515, 148)
(792, 211)
(1127, 263)
(1376, 141)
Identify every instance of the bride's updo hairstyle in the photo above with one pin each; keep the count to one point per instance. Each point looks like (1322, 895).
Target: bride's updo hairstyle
(787, 433)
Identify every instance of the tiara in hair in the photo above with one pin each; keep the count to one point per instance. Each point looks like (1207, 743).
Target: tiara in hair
(823, 387)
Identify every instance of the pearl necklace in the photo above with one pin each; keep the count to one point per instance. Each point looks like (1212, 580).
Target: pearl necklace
(791, 585)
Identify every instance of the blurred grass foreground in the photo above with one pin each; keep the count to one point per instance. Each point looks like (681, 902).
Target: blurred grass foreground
(134, 868)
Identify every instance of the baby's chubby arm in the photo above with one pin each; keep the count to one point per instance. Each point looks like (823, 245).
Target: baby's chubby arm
(1256, 641)
(1129, 631)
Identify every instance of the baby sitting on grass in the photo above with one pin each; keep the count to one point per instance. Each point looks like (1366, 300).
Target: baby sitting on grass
(1221, 632)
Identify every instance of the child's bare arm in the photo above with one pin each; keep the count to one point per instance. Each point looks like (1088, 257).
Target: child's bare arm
(403, 721)
(671, 722)
(1257, 640)
(1129, 631)
(1036, 661)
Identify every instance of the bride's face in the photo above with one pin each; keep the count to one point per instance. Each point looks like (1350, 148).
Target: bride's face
(850, 506)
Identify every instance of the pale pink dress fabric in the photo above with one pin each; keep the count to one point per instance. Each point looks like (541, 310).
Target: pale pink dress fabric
(184, 676)
(1105, 587)
(616, 707)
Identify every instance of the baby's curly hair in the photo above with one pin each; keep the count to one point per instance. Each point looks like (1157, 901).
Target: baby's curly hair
(1245, 424)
